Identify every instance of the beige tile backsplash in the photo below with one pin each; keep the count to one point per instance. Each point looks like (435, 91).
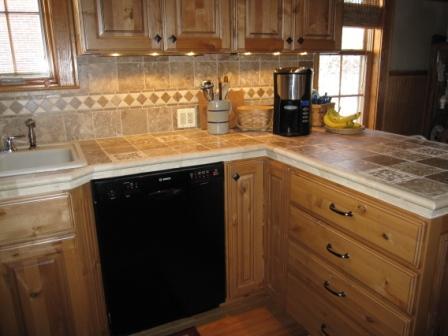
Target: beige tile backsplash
(133, 95)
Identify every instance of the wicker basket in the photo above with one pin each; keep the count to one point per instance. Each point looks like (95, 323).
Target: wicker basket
(254, 117)
(318, 112)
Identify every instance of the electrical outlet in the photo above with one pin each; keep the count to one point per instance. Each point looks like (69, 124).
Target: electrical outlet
(186, 117)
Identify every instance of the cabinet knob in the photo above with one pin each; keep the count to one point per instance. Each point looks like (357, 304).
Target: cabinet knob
(323, 329)
(236, 176)
(173, 38)
(301, 40)
(158, 38)
(289, 40)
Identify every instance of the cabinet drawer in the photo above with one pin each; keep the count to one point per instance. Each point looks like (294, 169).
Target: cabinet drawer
(34, 218)
(315, 314)
(391, 230)
(392, 281)
(348, 297)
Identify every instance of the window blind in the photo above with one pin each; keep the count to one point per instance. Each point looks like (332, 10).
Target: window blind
(363, 13)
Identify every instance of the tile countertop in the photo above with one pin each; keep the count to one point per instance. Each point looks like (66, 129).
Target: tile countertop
(409, 173)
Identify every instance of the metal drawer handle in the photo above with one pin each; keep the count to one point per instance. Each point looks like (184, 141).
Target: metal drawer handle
(339, 255)
(323, 329)
(327, 286)
(340, 212)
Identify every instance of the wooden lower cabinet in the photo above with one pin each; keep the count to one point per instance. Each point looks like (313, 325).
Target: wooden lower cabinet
(50, 284)
(244, 227)
(276, 208)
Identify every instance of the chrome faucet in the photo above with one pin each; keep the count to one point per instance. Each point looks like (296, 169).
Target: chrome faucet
(8, 143)
(31, 124)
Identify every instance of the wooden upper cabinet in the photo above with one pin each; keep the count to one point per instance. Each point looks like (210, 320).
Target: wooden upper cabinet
(318, 25)
(121, 25)
(197, 25)
(263, 25)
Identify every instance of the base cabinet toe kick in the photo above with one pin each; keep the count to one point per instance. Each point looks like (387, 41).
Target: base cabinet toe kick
(338, 261)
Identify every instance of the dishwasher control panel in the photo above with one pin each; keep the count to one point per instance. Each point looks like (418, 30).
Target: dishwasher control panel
(204, 175)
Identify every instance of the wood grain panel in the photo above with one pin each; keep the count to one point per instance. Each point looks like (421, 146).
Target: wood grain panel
(392, 281)
(244, 216)
(34, 291)
(122, 16)
(366, 310)
(276, 229)
(197, 25)
(404, 103)
(35, 218)
(263, 25)
(392, 230)
(318, 25)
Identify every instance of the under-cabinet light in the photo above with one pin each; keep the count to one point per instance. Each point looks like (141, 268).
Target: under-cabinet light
(247, 53)
(115, 54)
(191, 53)
(277, 53)
(303, 53)
(154, 54)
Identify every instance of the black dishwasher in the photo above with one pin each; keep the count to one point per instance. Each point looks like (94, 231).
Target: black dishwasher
(162, 248)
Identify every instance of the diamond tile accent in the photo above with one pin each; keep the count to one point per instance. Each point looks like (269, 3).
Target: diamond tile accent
(188, 96)
(75, 103)
(102, 101)
(89, 102)
(46, 105)
(128, 99)
(3, 107)
(60, 104)
(115, 100)
(177, 96)
(270, 92)
(141, 98)
(260, 92)
(154, 98)
(31, 106)
(16, 107)
(165, 97)
(251, 93)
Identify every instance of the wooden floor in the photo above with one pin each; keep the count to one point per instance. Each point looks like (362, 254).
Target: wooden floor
(256, 316)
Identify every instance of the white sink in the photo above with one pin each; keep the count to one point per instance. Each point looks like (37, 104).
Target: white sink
(42, 159)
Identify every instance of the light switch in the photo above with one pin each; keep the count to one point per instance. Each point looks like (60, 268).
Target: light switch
(186, 117)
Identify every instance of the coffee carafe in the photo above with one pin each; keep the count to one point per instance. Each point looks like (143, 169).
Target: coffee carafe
(292, 101)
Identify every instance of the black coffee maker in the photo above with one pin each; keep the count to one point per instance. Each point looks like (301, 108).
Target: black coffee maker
(292, 101)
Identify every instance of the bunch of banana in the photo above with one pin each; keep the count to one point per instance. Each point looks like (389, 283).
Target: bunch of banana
(334, 120)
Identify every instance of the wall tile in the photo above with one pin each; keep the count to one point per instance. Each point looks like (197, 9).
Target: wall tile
(50, 128)
(10, 126)
(130, 77)
(78, 125)
(204, 71)
(102, 77)
(160, 119)
(157, 75)
(181, 75)
(249, 73)
(266, 72)
(107, 123)
(133, 121)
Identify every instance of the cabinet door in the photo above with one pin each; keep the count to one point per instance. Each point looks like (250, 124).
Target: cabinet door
(244, 195)
(276, 229)
(40, 291)
(120, 26)
(318, 25)
(264, 25)
(197, 25)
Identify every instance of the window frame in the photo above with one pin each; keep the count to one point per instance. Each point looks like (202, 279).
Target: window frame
(59, 39)
(367, 52)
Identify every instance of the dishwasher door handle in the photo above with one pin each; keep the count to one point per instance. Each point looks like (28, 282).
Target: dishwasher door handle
(165, 193)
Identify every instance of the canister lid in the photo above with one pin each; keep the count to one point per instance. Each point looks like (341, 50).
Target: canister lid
(292, 70)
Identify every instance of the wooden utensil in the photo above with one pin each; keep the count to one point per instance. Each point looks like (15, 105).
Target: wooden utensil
(236, 97)
(202, 105)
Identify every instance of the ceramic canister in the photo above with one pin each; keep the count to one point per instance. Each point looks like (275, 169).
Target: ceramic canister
(218, 116)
